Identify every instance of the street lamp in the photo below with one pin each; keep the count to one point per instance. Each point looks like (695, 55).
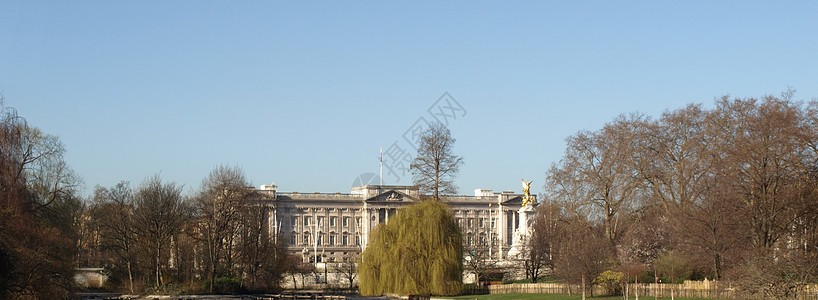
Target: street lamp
(324, 258)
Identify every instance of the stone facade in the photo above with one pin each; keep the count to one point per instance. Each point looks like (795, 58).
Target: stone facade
(334, 227)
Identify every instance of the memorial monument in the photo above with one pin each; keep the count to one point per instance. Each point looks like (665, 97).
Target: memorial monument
(526, 212)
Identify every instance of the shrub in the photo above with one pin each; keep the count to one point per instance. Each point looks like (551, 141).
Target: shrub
(611, 281)
(225, 286)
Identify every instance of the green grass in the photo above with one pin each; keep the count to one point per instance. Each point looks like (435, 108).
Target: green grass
(550, 297)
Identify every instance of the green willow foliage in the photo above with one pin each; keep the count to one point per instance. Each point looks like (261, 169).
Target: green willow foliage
(419, 252)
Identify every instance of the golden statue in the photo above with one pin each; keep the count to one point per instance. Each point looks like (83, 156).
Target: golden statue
(526, 187)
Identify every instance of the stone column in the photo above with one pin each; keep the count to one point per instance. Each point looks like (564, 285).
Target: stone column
(501, 230)
(364, 227)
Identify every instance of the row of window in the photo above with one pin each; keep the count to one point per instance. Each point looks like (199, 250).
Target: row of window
(476, 211)
(481, 240)
(333, 221)
(333, 239)
(307, 238)
(481, 222)
(321, 209)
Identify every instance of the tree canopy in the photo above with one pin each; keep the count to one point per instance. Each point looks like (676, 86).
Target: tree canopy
(419, 251)
(723, 189)
(38, 208)
(435, 165)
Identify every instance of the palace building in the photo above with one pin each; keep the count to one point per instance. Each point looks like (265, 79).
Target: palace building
(333, 227)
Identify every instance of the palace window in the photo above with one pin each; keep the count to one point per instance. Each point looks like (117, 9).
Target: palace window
(294, 221)
(307, 221)
(346, 221)
(332, 239)
(345, 240)
(333, 221)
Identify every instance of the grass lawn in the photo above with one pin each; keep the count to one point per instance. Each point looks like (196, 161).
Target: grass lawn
(549, 297)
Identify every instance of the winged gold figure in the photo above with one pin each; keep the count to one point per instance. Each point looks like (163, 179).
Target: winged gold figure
(526, 190)
(527, 187)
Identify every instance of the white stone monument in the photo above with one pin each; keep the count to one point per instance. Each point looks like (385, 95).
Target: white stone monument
(523, 231)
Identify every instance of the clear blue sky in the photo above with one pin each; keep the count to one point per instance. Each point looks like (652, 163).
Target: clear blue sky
(305, 93)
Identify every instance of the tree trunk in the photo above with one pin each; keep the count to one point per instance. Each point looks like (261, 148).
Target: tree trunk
(437, 179)
(212, 274)
(212, 245)
(158, 260)
(583, 288)
(130, 276)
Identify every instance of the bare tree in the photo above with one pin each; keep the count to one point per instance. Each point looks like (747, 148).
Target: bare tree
(218, 207)
(542, 248)
(675, 157)
(479, 261)
(301, 268)
(764, 152)
(597, 172)
(713, 230)
(38, 217)
(348, 269)
(114, 215)
(261, 252)
(717, 186)
(775, 276)
(435, 165)
(158, 217)
(586, 253)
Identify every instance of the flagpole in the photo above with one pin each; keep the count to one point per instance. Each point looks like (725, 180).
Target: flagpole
(315, 242)
(381, 166)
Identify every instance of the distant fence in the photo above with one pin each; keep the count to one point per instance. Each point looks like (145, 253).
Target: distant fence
(690, 289)
(300, 297)
(541, 288)
(709, 290)
(475, 290)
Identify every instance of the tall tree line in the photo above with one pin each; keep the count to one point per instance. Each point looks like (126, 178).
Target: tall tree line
(724, 190)
(219, 240)
(39, 207)
(149, 238)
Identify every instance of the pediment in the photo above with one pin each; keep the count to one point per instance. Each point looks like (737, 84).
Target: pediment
(514, 200)
(391, 196)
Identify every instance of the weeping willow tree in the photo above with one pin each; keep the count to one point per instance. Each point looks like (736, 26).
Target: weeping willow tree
(419, 252)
